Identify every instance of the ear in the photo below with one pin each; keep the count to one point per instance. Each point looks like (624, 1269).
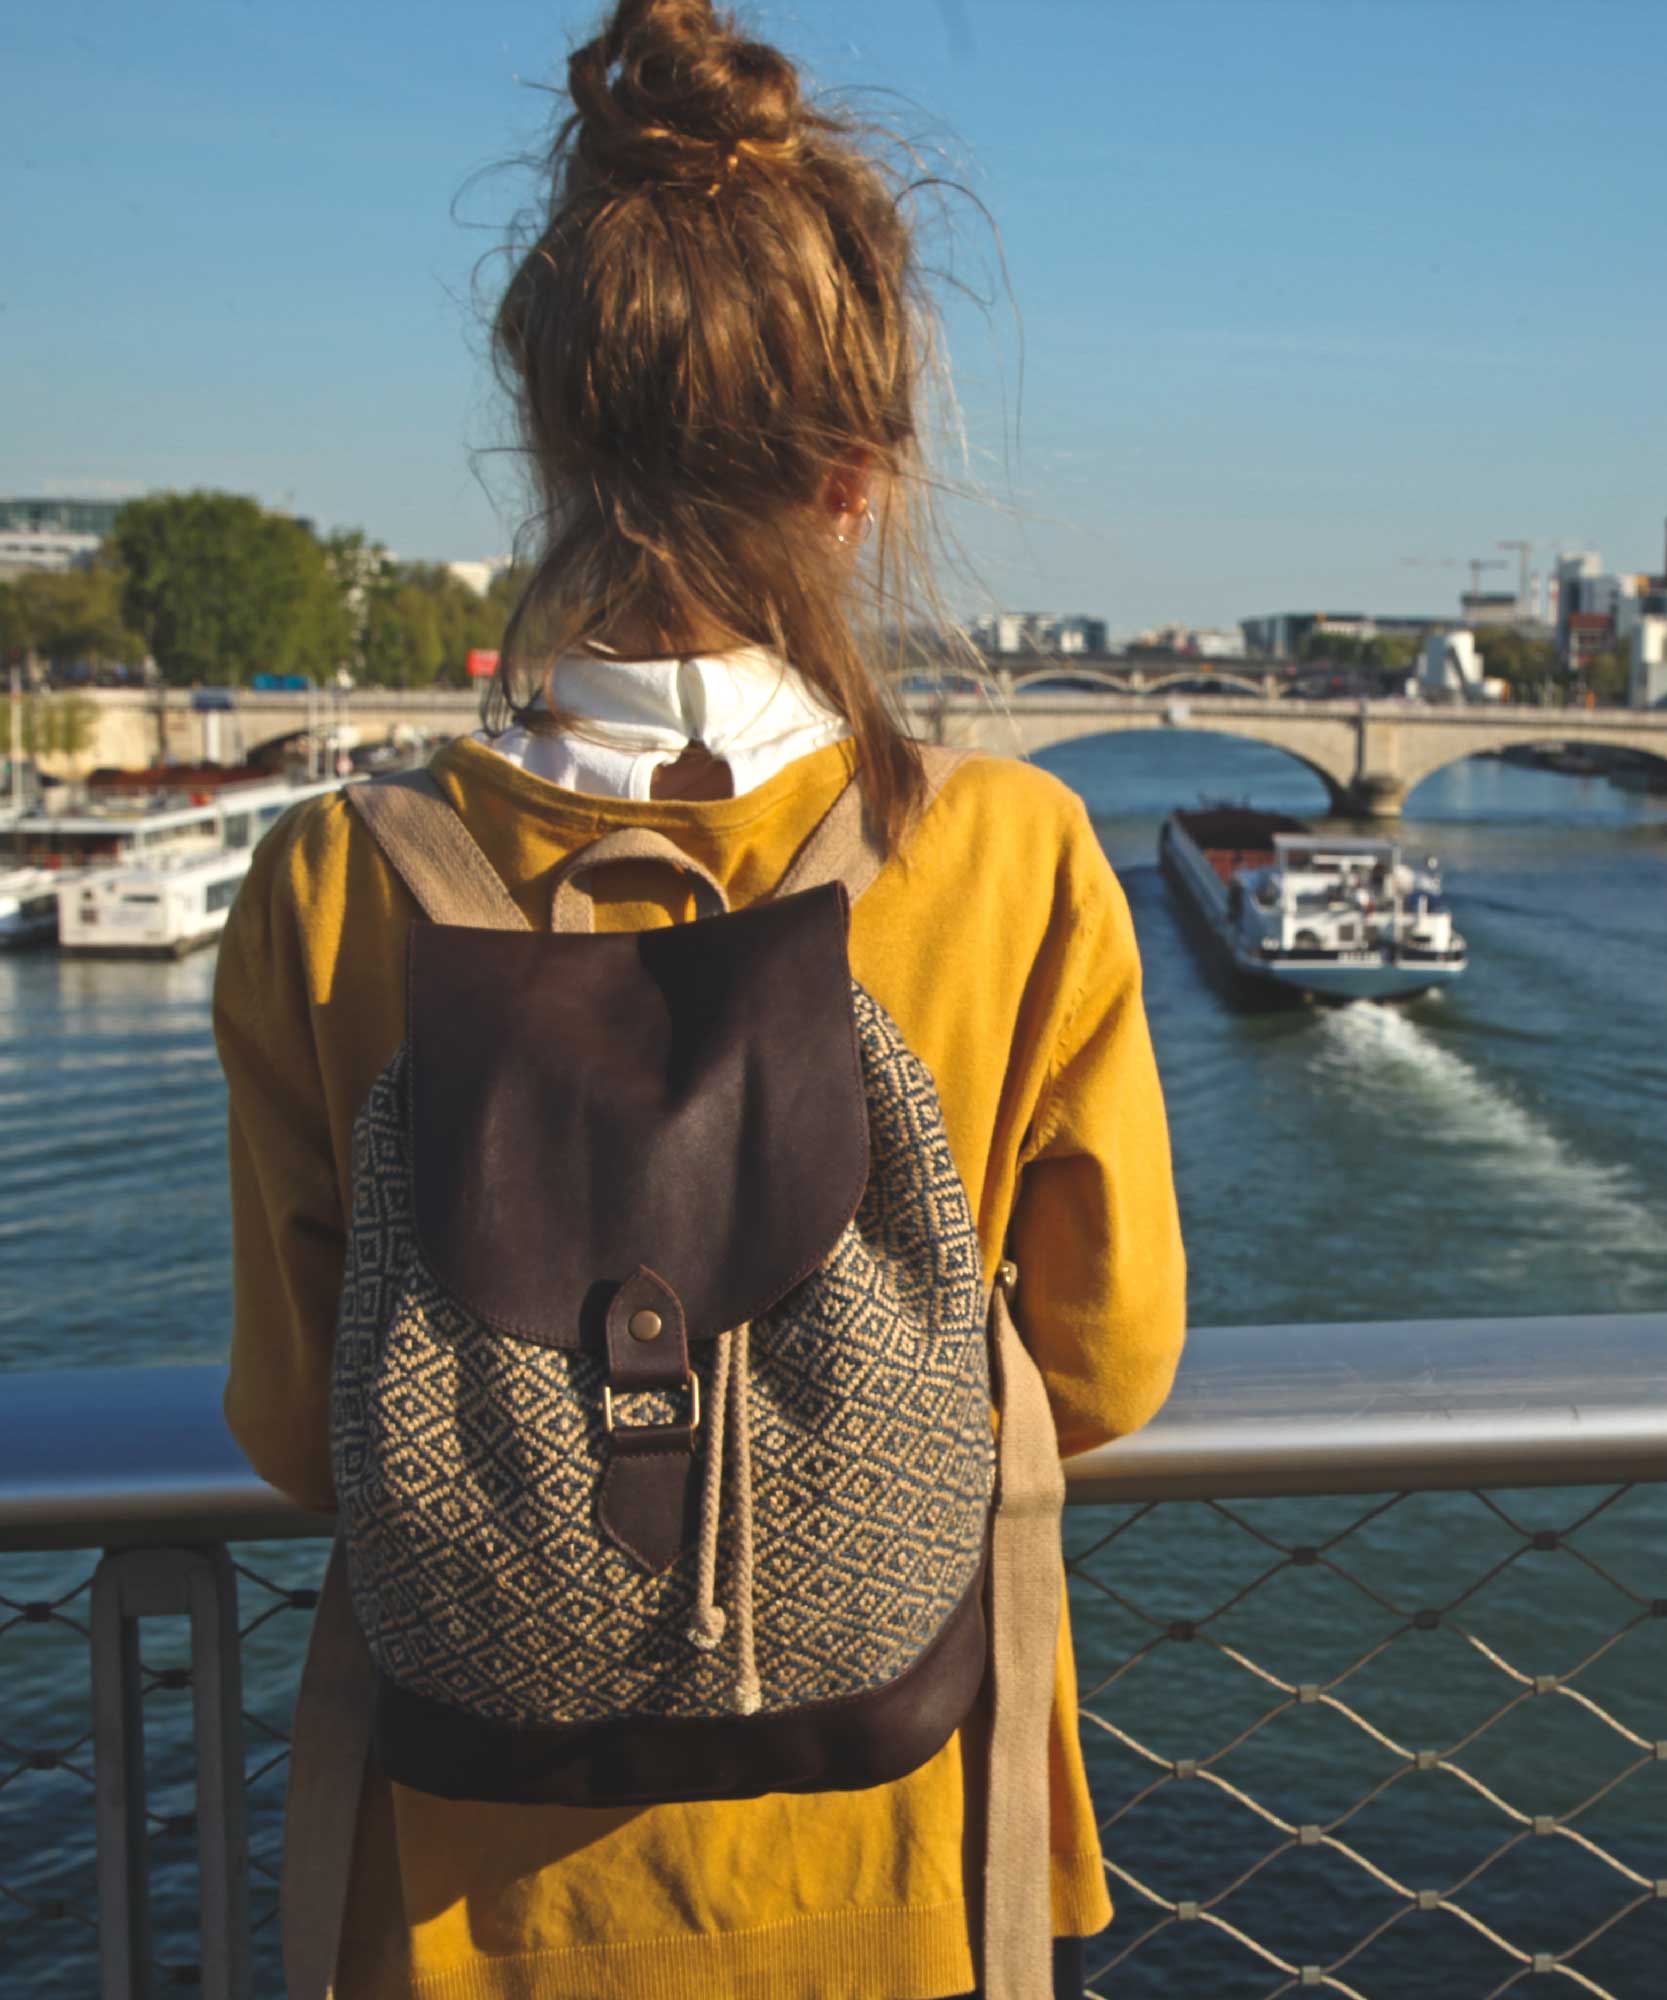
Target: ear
(845, 491)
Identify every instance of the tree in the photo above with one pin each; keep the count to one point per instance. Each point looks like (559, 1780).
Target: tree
(1388, 651)
(14, 625)
(1525, 663)
(361, 568)
(421, 623)
(68, 617)
(222, 590)
(1609, 676)
(60, 725)
(75, 616)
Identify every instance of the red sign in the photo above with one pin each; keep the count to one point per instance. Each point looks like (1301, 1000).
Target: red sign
(482, 664)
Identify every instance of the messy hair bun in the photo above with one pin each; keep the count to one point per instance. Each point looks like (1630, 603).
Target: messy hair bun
(667, 90)
(718, 320)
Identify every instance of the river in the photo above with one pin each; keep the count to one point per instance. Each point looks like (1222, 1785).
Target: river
(1498, 1150)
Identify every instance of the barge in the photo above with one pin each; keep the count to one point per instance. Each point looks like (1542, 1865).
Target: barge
(1328, 918)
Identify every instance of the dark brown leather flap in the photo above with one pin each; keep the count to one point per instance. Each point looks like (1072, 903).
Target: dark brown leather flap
(689, 1098)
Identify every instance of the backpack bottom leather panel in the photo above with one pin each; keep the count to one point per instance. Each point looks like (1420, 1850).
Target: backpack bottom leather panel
(844, 1745)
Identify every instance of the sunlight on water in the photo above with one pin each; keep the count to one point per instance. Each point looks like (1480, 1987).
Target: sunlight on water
(1401, 1077)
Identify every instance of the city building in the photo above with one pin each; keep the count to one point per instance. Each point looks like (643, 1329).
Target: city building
(52, 534)
(1647, 682)
(1194, 642)
(1045, 632)
(23, 550)
(1491, 607)
(1281, 635)
(1599, 611)
(71, 517)
(480, 576)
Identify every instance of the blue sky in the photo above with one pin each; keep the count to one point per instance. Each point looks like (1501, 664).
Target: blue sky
(1300, 288)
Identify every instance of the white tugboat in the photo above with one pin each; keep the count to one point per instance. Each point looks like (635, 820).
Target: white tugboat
(1336, 918)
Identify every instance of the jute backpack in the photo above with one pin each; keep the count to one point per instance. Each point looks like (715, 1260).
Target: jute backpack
(662, 1388)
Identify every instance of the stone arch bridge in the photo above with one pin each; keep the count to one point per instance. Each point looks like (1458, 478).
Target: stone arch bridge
(1368, 755)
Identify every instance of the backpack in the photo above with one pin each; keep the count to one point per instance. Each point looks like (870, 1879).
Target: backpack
(663, 1377)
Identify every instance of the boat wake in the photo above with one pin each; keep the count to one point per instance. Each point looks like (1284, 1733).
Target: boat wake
(1426, 1097)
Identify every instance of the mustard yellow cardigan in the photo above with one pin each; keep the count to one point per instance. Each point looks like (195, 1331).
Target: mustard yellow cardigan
(1001, 945)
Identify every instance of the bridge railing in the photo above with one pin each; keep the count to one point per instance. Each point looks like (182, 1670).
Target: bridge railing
(1372, 1645)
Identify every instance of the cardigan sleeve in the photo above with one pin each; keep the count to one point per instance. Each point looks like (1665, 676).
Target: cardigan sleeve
(288, 1230)
(1095, 1230)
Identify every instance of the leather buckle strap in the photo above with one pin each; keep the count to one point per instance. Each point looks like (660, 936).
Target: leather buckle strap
(646, 1503)
(691, 1382)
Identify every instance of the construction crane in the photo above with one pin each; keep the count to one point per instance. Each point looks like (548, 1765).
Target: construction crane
(1475, 565)
(1524, 546)
(1524, 549)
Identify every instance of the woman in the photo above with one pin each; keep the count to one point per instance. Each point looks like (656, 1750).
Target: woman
(716, 349)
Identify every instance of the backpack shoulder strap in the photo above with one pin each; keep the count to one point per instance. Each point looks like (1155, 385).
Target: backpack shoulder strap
(329, 1760)
(843, 846)
(433, 853)
(1026, 1588)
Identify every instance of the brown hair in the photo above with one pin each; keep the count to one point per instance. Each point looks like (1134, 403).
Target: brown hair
(722, 311)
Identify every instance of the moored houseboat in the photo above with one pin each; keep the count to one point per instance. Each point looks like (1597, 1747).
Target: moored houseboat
(161, 909)
(1331, 917)
(167, 900)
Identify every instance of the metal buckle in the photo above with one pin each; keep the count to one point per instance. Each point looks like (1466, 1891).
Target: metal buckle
(691, 1382)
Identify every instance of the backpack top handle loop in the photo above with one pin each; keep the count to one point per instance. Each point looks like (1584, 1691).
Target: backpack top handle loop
(571, 906)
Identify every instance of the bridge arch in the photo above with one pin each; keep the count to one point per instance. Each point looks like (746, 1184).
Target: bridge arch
(1236, 682)
(1090, 680)
(1422, 760)
(1146, 719)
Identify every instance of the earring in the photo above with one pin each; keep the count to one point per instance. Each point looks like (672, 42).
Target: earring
(867, 520)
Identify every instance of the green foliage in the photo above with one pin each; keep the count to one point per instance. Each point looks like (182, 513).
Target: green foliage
(218, 590)
(1391, 651)
(1609, 675)
(222, 590)
(60, 725)
(421, 622)
(68, 617)
(14, 624)
(1526, 664)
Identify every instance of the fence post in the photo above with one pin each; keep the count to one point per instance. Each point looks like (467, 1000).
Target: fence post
(201, 1585)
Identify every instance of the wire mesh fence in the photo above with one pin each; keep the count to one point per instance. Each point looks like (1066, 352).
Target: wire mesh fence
(1411, 1745)
(49, 1883)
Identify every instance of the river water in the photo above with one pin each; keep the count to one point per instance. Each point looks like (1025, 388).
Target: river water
(1499, 1150)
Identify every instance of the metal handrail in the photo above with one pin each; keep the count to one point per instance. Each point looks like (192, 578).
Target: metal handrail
(101, 1458)
(138, 1463)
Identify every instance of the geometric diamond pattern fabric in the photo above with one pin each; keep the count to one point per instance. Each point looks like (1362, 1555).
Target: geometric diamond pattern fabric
(468, 1463)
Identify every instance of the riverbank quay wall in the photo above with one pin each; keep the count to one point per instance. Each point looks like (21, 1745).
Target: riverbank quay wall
(1382, 1603)
(1368, 755)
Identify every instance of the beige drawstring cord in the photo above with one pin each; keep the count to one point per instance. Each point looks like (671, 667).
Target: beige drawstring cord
(748, 1696)
(706, 1630)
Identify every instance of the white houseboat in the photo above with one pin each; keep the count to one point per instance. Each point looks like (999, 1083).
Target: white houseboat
(1331, 917)
(168, 898)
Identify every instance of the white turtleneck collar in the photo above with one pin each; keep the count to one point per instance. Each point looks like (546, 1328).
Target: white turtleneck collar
(748, 708)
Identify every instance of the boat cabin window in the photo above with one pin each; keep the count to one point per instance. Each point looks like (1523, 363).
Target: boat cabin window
(140, 896)
(237, 830)
(220, 895)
